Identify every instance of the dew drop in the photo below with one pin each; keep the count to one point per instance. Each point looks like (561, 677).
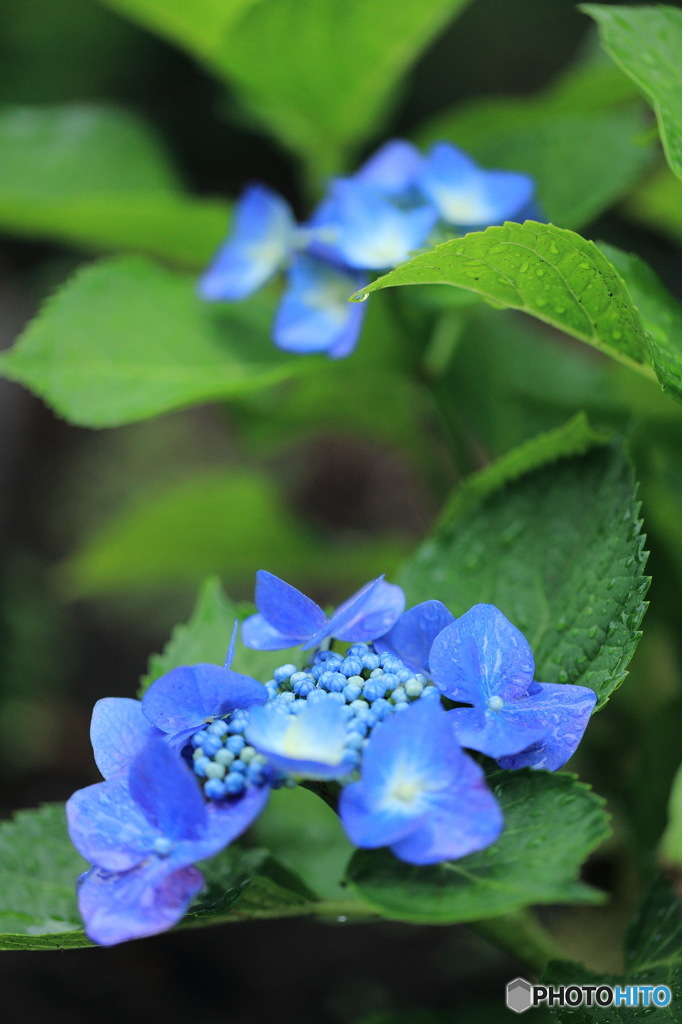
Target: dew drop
(363, 297)
(523, 268)
(540, 272)
(616, 335)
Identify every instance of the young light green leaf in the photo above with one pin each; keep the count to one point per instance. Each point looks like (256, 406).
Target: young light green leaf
(646, 43)
(545, 271)
(327, 89)
(552, 537)
(602, 149)
(98, 178)
(206, 636)
(653, 956)
(125, 339)
(552, 822)
(38, 872)
(660, 313)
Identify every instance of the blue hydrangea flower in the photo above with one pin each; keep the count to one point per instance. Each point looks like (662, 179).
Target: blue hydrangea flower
(262, 237)
(363, 228)
(287, 618)
(483, 660)
(142, 834)
(412, 636)
(419, 793)
(311, 743)
(465, 195)
(315, 314)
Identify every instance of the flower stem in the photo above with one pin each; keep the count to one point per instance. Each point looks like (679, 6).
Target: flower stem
(523, 937)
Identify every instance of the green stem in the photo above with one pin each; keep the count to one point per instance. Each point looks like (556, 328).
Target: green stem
(523, 937)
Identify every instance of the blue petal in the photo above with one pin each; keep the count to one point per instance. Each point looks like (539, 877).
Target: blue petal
(467, 196)
(366, 230)
(468, 819)
(261, 239)
(315, 314)
(312, 743)
(118, 732)
(168, 792)
(393, 169)
(286, 609)
(419, 793)
(495, 733)
(482, 655)
(259, 635)
(130, 905)
(412, 636)
(369, 613)
(185, 698)
(107, 827)
(562, 711)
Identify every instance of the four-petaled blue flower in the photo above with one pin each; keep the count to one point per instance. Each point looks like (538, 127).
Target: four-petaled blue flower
(483, 660)
(287, 618)
(419, 793)
(368, 222)
(142, 833)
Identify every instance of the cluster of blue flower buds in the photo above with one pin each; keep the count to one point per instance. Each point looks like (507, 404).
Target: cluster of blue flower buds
(189, 767)
(398, 202)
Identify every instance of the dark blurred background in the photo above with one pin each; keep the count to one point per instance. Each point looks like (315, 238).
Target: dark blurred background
(58, 655)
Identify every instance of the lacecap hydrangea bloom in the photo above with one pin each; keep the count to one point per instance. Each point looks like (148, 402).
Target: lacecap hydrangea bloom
(398, 202)
(189, 767)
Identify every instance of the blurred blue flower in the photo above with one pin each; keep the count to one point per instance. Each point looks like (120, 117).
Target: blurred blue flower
(142, 834)
(311, 743)
(315, 314)
(262, 237)
(419, 793)
(393, 169)
(483, 660)
(466, 196)
(412, 636)
(287, 618)
(362, 227)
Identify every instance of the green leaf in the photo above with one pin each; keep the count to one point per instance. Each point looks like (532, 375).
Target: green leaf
(660, 313)
(38, 872)
(201, 26)
(98, 178)
(308, 837)
(552, 822)
(670, 851)
(646, 43)
(548, 272)
(327, 87)
(39, 868)
(658, 204)
(125, 339)
(248, 883)
(206, 637)
(653, 956)
(553, 540)
(602, 148)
